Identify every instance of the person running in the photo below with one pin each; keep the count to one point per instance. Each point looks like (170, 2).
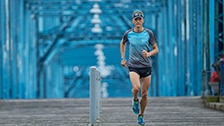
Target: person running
(139, 63)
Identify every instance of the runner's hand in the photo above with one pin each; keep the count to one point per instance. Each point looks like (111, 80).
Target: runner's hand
(123, 62)
(144, 53)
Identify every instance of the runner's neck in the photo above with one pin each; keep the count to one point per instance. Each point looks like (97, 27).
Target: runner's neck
(138, 29)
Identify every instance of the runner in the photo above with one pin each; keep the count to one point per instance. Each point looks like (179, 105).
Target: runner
(139, 63)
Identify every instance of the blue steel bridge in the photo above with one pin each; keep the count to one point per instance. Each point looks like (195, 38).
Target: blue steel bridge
(48, 46)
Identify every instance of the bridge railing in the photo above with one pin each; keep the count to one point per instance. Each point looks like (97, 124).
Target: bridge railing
(95, 95)
(221, 78)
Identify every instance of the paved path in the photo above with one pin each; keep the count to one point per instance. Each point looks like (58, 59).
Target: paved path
(161, 111)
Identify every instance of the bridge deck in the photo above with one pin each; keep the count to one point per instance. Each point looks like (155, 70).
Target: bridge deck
(161, 111)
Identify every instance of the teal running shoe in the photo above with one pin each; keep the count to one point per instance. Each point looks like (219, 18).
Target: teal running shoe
(135, 106)
(141, 120)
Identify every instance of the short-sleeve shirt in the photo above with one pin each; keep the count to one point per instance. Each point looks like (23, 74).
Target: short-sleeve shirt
(139, 41)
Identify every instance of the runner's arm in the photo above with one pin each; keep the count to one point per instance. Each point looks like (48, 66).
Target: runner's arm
(122, 49)
(154, 51)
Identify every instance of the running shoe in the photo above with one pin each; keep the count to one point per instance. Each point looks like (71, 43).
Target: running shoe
(141, 120)
(135, 106)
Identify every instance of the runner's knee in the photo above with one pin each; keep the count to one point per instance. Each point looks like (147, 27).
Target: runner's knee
(144, 94)
(136, 88)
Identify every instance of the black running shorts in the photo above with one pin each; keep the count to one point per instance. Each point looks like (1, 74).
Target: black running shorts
(142, 72)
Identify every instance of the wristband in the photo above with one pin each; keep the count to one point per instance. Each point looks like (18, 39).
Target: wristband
(122, 58)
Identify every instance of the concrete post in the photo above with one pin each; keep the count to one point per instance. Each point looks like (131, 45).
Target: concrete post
(95, 95)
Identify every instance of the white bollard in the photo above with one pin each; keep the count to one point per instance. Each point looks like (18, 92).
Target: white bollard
(95, 95)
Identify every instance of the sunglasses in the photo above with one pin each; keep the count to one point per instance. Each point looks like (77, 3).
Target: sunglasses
(137, 18)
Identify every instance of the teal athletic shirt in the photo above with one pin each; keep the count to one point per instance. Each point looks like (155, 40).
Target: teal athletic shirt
(139, 41)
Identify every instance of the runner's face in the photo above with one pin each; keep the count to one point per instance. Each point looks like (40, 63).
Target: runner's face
(138, 22)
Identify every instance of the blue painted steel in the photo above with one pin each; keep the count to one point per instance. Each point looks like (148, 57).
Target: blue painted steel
(21, 57)
(180, 47)
(198, 51)
(54, 81)
(2, 35)
(218, 30)
(170, 47)
(44, 38)
(212, 31)
(189, 43)
(6, 54)
(219, 24)
(18, 53)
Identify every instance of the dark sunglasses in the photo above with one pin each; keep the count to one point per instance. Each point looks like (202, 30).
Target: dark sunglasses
(137, 18)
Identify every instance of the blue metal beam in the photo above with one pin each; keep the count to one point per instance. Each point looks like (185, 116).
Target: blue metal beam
(2, 41)
(6, 51)
(181, 27)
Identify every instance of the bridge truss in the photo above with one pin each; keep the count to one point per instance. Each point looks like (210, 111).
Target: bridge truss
(39, 44)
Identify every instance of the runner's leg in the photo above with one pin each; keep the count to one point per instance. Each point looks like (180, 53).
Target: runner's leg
(134, 77)
(145, 86)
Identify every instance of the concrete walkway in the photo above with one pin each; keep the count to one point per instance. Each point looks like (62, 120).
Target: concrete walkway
(161, 111)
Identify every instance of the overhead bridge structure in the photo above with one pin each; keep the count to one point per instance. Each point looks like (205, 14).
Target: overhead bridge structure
(48, 46)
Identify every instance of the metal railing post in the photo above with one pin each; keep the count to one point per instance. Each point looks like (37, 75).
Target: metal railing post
(221, 78)
(95, 95)
(205, 90)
